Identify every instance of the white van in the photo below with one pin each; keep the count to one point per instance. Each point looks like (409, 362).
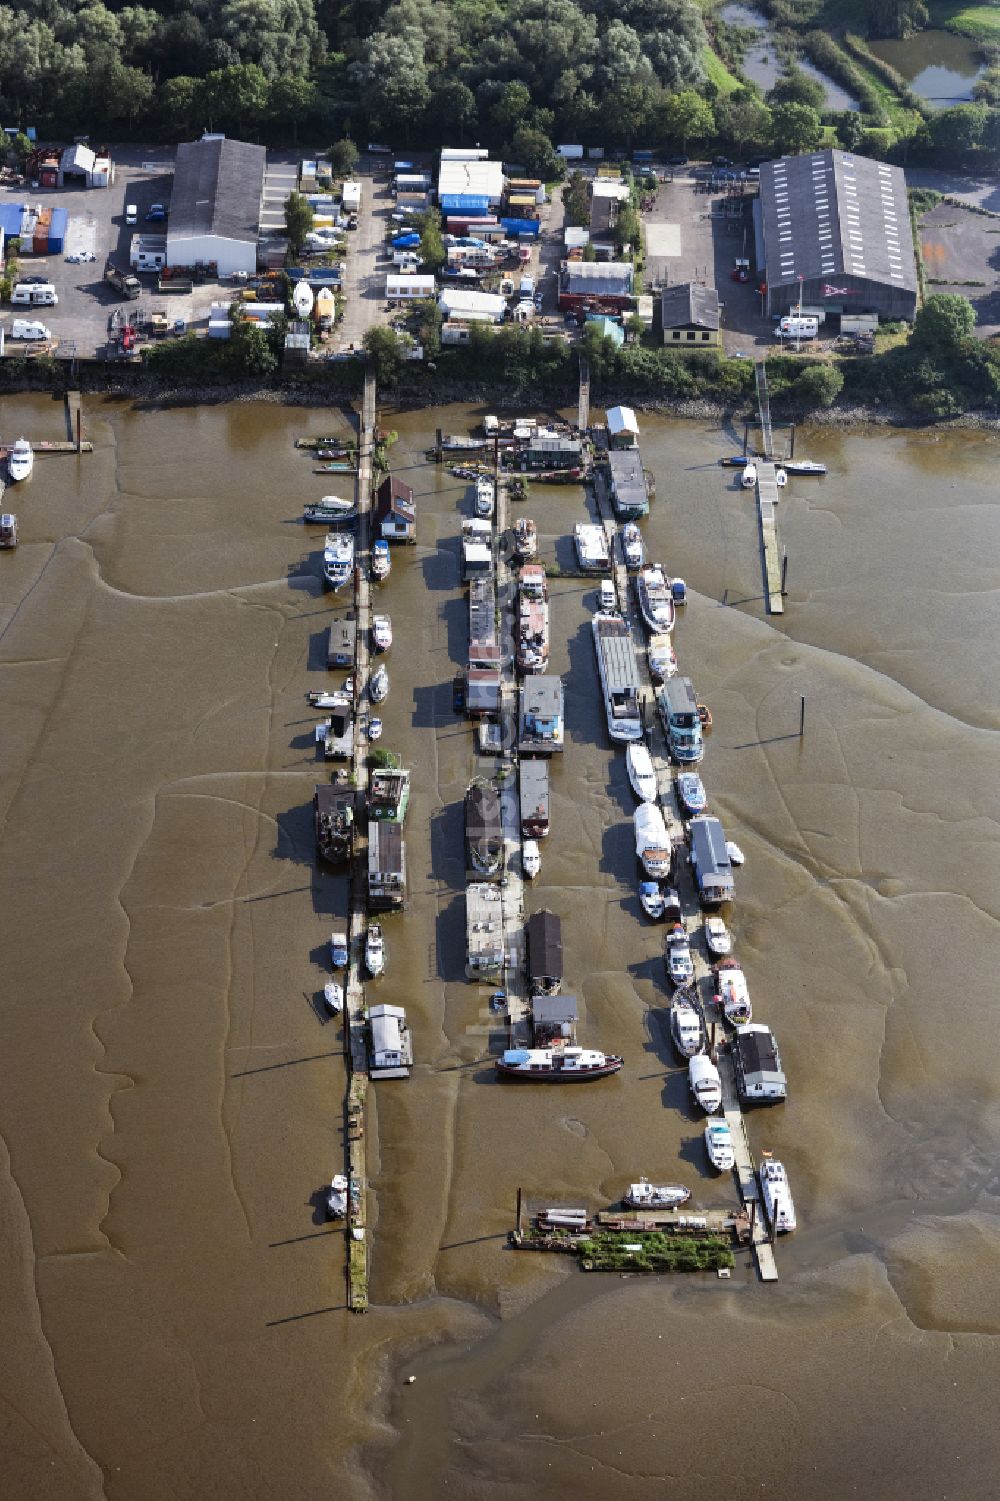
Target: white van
(131, 213)
(792, 327)
(24, 328)
(34, 294)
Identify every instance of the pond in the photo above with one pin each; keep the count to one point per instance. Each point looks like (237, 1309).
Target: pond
(938, 65)
(761, 63)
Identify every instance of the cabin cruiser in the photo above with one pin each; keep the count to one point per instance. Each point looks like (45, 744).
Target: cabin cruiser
(531, 860)
(331, 510)
(733, 993)
(719, 1145)
(559, 1065)
(339, 952)
(718, 939)
(338, 560)
(639, 765)
(781, 478)
(776, 1194)
(705, 1082)
(680, 965)
(749, 477)
(324, 700)
(20, 460)
(655, 599)
(686, 1027)
(336, 1198)
(485, 494)
(381, 633)
(375, 955)
(803, 466)
(691, 792)
(374, 730)
(662, 657)
(646, 1195)
(378, 684)
(8, 530)
(652, 842)
(333, 995)
(525, 538)
(651, 900)
(381, 560)
(633, 550)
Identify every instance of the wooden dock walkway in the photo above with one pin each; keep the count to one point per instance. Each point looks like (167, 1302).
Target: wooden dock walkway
(355, 1039)
(767, 503)
(583, 396)
(764, 409)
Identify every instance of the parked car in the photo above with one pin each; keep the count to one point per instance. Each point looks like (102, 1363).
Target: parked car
(677, 161)
(157, 213)
(722, 161)
(131, 213)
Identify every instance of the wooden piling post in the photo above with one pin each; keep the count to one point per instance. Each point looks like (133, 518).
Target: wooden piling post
(79, 430)
(784, 570)
(802, 715)
(520, 1200)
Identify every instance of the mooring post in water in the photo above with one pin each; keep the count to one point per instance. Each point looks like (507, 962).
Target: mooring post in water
(725, 595)
(802, 715)
(437, 445)
(784, 569)
(79, 429)
(519, 1203)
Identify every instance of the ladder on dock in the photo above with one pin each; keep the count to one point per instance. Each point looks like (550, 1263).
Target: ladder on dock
(764, 409)
(583, 399)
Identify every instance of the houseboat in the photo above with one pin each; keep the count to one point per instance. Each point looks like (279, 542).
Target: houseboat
(331, 511)
(760, 1079)
(592, 549)
(390, 1044)
(386, 867)
(681, 721)
(338, 559)
(484, 934)
(484, 841)
(733, 993)
(341, 643)
(388, 792)
(338, 730)
(656, 600)
(543, 932)
(541, 731)
(8, 530)
(662, 657)
(333, 821)
(531, 651)
(619, 674)
(558, 1065)
(533, 776)
(710, 863)
(477, 549)
(628, 484)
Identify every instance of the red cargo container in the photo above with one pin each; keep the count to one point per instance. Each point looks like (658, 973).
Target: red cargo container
(457, 225)
(40, 239)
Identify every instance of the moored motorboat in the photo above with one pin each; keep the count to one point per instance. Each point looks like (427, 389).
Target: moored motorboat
(646, 1195)
(20, 460)
(733, 993)
(381, 560)
(336, 1197)
(719, 1145)
(749, 477)
(559, 1065)
(339, 952)
(652, 842)
(691, 792)
(705, 1083)
(333, 995)
(531, 860)
(374, 728)
(781, 478)
(378, 684)
(330, 511)
(680, 965)
(736, 855)
(686, 1025)
(718, 939)
(651, 899)
(662, 657)
(633, 550)
(776, 1194)
(338, 559)
(655, 599)
(525, 538)
(381, 633)
(485, 495)
(641, 773)
(375, 954)
(803, 466)
(8, 530)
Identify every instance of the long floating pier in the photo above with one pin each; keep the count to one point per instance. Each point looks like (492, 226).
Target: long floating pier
(767, 501)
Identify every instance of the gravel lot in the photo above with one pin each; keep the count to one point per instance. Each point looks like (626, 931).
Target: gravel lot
(960, 247)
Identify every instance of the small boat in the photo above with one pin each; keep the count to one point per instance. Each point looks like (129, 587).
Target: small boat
(736, 855)
(803, 466)
(662, 658)
(705, 717)
(733, 993)
(381, 561)
(339, 951)
(331, 510)
(375, 954)
(339, 466)
(558, 1065)
(633, 550)
(646, 1195)
(333, 995)
(381, 633)
(719, 1145)
(456, 443)
(734, 461)
(325, 700)
(680, 965)
(338, 451)
(378, 684)
(531, 860)
(302, 299)
(652, 842)
(20, 460)
(336, 1198)
(338, 559)
(686, 1025)
(691, 792)
(718, 939)
(749, 477)
(8, 530)
(679, 592)
(374, 728)
(776, 1194)
(525, 538)
(641, 774)
(607, 598)
(705, 1083)
(671, 903)
(781, 478)
(485, 496)
(655, 599)
(651, 900)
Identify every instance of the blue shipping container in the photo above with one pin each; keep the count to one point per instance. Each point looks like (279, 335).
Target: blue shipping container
(464, 203)
(57, 230)
(523, 229)
(11, 215)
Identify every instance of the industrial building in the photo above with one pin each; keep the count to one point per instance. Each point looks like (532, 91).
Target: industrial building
(80, 167)
(833, 234)
(605, 285)
(215, 205)
(468, 182)
(690, 315)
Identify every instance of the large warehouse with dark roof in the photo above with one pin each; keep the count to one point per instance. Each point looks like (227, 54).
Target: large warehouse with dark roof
(834, 229)
(215, 204)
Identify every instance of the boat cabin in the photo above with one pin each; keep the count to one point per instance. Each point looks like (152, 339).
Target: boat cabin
(541, 730)
(553, 1020)
(395, 511)
(678, 708)
(388, 792)
(386, 867)
(485, 848)
(390, 1044)
(333, 821)
(484, 639)
(543, 932)
(483, 693)
(710, 862)
(484, 942)
(338, 738)
(341, 643)
(552, 453)
(623, 429)
(477, 549)
(760, 1079)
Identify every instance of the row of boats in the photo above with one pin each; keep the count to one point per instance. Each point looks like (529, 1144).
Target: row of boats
(20, 463)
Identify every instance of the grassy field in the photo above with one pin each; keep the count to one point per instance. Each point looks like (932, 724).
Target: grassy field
(716, 70)
(981, 22)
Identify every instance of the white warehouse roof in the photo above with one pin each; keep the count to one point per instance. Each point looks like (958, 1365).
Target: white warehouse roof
(481, 179)
(457, 304)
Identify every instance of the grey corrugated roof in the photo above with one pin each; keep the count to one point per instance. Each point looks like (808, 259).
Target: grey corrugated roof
(545, 946)
(217, 189)
(599, 278)
(831, 214)
(628, 476)
(688, 303)
(554, 1010)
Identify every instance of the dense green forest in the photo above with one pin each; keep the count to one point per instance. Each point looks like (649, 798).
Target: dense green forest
(516, 75)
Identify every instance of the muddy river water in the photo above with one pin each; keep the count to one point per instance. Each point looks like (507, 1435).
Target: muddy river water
(173, 1299)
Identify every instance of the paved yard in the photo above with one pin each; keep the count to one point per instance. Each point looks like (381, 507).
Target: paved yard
(960, 248)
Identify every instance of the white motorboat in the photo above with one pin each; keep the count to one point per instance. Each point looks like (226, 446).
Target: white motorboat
(651, 900)
(531, 860)
(776, 1194)
(381, 633)
(375, 954)
(333, 995)
(662, 657)
(381, 560)
(781, 478)
(339, 952)
(485, 494)
(641, 774)
(331, 510)
(749, 477)
(325, 700)
(378, 684)
(733, 993)
(561, 1065)
(302, 299)
(804, 466)
(679, 592)
(338, 559)
(691, 792)
(633, 550)
(336, 1197)
(646, 1195)
(719, 1145)
(686, 1026)
(736, 855)
(655, 598)
(705, 1083)
(680, 965)
(20, 460)
(652, 842)
(718, 939)
(374, 728)
(525, 538)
